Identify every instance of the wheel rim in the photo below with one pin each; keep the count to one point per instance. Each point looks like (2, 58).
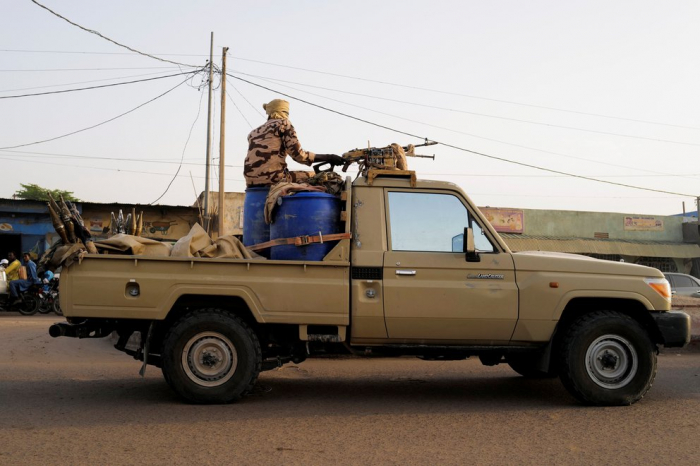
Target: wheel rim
(29, 305)
(611, 361)
(209, 359)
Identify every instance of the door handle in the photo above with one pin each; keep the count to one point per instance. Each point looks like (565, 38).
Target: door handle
(405, 272)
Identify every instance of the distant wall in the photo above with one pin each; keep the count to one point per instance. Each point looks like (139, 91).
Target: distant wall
(160, 222)
(560, 223)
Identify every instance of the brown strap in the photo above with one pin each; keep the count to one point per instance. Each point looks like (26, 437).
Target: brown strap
(300, 241)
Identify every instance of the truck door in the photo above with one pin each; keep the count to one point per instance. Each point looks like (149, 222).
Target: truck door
(430, 291)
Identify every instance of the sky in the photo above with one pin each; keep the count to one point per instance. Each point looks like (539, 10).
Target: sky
(595, 89)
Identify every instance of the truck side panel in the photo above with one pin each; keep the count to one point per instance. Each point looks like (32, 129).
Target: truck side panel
(146, 288)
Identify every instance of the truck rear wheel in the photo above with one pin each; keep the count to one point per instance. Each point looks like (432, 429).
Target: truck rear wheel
(607, 359)
(211, 356)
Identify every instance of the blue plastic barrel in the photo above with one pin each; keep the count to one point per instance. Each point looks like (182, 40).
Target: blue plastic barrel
(305, 214)
(255, 230)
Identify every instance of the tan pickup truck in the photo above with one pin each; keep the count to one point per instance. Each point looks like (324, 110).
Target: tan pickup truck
(406, 283)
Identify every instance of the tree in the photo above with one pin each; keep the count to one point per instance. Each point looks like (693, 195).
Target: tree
(34, 192)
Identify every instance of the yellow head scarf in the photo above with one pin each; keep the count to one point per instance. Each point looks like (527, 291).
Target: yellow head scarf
(277, 109)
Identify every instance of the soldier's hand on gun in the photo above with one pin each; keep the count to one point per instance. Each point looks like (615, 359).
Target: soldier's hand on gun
(330, 158)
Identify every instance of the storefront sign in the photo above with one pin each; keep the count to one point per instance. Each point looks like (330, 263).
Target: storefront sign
(639, 223)
(505, 220)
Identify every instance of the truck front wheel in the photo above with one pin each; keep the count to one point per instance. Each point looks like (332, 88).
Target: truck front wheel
(211, 356)
(607, 359)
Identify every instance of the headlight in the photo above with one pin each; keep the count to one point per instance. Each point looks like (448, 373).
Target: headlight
(661, 286)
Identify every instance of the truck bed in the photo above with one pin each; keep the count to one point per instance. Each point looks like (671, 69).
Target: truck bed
(141, 287)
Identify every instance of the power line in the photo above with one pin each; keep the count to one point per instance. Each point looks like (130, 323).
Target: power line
(474, 135)
(93, 87)
(519, 120)
(182, 157)
(326, 108)
(100, 53)
(614, 183)
(239, 110)
(469, 96)
(90, 157)
(121, 170)
(81, 82)
(94, 69)
(165, 161)
(241, 180)
(98, 124)
(481, 154)
(255, 109)
(91, 31)
(544, 107)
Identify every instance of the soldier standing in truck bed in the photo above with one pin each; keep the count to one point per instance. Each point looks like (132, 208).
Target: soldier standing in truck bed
(270, 143)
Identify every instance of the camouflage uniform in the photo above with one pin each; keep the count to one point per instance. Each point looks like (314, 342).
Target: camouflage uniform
(268, 146)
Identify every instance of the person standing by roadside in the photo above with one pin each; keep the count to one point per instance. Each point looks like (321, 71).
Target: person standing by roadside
(20, 286)
(12, 269)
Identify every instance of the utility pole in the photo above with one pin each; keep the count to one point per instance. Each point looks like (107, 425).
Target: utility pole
(697, 207)
(207, 217)
(222, 140)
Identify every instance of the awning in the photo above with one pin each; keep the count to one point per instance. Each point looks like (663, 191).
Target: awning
(602, 246)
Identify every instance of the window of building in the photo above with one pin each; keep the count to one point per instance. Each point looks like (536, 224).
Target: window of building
(431, 222)
(665, 264)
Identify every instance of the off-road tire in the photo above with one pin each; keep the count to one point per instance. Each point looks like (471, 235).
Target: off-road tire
(29, 305)
(588, 375)
(223, 336)
(526, 365)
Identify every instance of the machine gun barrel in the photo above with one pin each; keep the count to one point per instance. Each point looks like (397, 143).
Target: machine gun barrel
(421, 156)
(426, 143)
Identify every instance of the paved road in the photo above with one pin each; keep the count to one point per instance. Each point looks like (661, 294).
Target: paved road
(80, 401)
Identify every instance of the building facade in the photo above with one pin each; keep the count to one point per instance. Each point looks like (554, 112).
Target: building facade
(26, 225)
(662, 242)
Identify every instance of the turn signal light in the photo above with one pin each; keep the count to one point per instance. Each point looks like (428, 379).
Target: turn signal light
(661, 286)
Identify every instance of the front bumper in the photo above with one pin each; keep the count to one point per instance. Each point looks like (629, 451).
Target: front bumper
(674, 327)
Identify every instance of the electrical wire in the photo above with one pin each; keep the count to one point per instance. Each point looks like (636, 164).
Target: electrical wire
(200, 164)
(469, 96)
(91, 31)
(98, 124)
(95, 69)
(481, 154)
(81, 82)
(326, 109)
(477, 136)
(239, 110)
(242, 180)
(544, 107)
(101, 53)
(89, 157)
(485, 115)
(94, 87)
(121, 170)
(255, 109)
(182, 157)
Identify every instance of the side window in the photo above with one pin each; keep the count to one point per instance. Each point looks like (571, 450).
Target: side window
(683, 282)
(430, 222)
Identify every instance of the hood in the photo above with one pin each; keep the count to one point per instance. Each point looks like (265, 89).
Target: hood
(564, 262)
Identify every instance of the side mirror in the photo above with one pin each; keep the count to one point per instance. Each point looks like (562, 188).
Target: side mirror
(469, 249)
